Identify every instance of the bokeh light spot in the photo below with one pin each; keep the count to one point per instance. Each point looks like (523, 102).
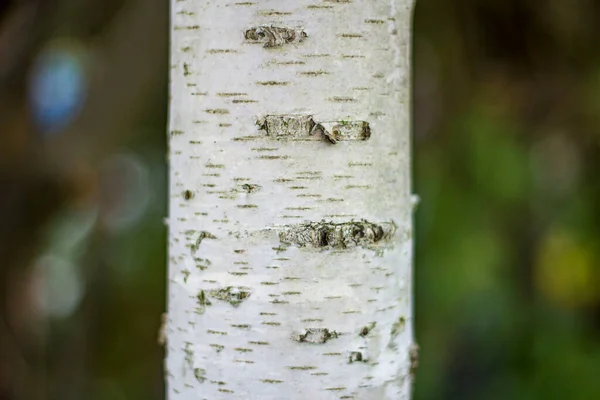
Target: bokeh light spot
(57, 85)
(565, 272)
(60, 289)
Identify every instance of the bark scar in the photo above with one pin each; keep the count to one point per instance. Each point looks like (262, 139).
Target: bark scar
(275, 36)
(303, 127)
(234, 295)
(315, 335)
(337, 235)
(343, 130)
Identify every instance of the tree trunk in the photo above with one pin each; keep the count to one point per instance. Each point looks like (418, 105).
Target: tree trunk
(290, 217)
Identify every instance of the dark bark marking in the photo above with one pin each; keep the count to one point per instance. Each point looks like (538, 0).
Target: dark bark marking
(274, 12)
(315, 335)
(187, 28)
(241, 101)
(355, 356)
(245, 138)
(316, 55)
(234, 295)
(213, 332)
(221, 51)
(217, 347)
(339, 99)
(241, 326)
(217, 111)
(260, 149)
(272, 83)
(210, 165)
(273, 157)
(288, 62)
(197, 237)
(398, 327)
(366, 329)
(314, 73)
(231, 94)
(250, 187)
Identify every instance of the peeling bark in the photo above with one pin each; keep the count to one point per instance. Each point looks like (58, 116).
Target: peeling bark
(290, 235)
(303, 127)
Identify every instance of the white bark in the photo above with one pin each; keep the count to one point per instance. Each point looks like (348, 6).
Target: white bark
(290, 217)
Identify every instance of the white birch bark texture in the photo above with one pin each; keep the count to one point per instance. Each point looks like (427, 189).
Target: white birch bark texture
(290, 247)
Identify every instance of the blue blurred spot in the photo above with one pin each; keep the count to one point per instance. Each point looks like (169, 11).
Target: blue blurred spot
(57, 87)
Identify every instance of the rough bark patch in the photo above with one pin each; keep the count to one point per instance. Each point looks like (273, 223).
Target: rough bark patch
(340, 235)
(344, 130)
(275, 36)
(303, 127)
(315, 335)
(287, 126)
(234, 295)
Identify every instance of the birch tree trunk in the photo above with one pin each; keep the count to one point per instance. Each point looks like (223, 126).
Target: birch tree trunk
(290, 218)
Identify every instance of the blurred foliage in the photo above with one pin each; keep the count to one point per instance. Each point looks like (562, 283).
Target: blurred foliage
(506, 149)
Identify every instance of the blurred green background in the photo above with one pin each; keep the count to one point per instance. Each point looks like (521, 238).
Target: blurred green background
(506, 135)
